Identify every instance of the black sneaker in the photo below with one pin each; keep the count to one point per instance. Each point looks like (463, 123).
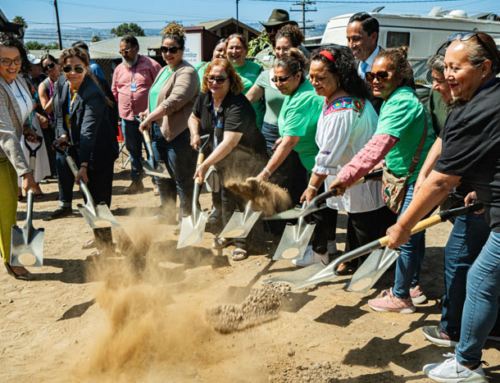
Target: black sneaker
(60, 212)
(214, 216)
(436, 336)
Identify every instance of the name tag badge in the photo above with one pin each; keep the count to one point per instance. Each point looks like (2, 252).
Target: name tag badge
(267, 58)
(133, 86)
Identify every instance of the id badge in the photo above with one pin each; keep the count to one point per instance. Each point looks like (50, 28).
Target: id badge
(133, 86)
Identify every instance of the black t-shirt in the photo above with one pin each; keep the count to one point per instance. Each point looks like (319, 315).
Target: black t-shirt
(471, 148)
(234, 115)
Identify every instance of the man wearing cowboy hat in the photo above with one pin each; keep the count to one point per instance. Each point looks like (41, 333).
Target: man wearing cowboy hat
(278, 18)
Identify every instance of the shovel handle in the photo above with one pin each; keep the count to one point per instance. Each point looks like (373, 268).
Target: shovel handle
(201, 158)
(32, 164)
(72, 165)
(145, 134)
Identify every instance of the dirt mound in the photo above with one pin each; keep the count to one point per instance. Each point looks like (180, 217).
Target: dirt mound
(265, 196)
(262, 305)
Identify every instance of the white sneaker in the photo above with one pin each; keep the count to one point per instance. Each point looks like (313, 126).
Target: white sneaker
(452, 371)
(332, 247)
(310, 258)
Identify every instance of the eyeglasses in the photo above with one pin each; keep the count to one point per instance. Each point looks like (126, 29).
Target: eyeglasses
(464, 37)
(48, 66)
(281, 79)
(218, 80)
(381, 76)
(124, 51)
(172, 50)
(8, 62)
(77, 69)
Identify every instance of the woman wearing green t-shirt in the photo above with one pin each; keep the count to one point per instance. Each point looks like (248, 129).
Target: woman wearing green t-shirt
(400, 128)
(236, 52)
(171, 99)
(289, 36)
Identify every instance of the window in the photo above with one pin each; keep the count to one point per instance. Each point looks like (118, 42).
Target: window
(398, 39)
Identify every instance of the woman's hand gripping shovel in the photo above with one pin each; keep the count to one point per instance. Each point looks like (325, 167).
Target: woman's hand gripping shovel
(318, 273)
(27, 243)
(193, 226)
(296, 237)
(150, 166)
(99, 217)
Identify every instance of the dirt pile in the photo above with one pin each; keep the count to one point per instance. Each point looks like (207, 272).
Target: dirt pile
(262, 305)
(265, 196)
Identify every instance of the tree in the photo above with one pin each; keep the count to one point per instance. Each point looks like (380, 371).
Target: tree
(258, 44)
(96, 39)
(19, 20)
(128, 29)
(36, 46)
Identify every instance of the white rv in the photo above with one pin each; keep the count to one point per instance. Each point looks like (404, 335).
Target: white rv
(422, 34)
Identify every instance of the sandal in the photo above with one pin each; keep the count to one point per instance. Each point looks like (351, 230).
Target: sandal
(89, 245)
(239, 255)
(20, 198)
(27, 276)
(39, 195)
(221, 243)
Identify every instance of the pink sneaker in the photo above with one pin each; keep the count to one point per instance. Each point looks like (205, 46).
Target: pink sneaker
(388, 302)
(416, 294)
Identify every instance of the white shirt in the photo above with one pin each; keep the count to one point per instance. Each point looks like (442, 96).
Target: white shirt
(23, 99)
(369, 61)
(344, 127)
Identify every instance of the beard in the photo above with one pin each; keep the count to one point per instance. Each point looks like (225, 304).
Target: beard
(130, 63)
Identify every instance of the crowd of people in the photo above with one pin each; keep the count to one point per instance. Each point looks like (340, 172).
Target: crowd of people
(307, 122)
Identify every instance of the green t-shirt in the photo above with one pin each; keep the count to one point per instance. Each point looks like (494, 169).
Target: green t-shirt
(299, 117)
(437, 108)
(274, 98)
(201, 67)
(402, 116)
(155, 88)
(249, 72)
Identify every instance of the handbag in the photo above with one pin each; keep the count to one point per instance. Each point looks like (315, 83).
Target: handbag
(393, 186)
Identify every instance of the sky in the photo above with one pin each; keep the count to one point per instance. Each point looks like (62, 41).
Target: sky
(156, 13)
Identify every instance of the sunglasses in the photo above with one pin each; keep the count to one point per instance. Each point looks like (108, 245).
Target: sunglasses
(281, 79)
(463, 37)
(218, 80)
(48, 66)
(172, 50)
(77, 69)
(124, 51)
(8, 62)
(381, 76)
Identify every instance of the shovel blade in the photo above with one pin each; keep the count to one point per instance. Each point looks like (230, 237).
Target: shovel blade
(103, 217)
(294, 242)
(240, 225)
(371, 270)
(192, 230)
(26, 253)
(295, 213)
(155, 170)
(299, 275)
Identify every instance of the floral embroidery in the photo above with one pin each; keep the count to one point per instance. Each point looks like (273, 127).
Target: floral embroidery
(344, 103)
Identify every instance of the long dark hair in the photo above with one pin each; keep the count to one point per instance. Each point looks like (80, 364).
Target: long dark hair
(400, 65)
(343, 66)
(294, 63)
(9, 41)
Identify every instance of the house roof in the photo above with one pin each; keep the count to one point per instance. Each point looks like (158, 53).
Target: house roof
(216, 24)
(110, 48)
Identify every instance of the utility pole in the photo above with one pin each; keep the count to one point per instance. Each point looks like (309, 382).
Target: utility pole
(237, 18)
(304, 9)
(58, 26)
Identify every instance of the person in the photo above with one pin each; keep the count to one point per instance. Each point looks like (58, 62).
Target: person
(278, 19)
(236, 52)
(469, 234)
(289, 36)
(469, 154)
(35, 72)
(219, 52)
(345, 125)
(237, 144)
(362, 39)
(15, 108)
(440, 94)
(46, 93)
(95, 68)
(132, 80)
(84, 118)
(403, 126)
(171, 99)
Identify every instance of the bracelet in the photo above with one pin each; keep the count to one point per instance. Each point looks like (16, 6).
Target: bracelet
(267, 171)
(312, 187)
(84, 166)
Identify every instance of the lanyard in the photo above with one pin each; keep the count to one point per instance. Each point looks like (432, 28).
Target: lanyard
(71, 100)
(216, 120)
(20, 92)
(135, 68)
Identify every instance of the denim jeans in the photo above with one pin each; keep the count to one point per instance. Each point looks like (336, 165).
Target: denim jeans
(481, 304)
(470, 233)
(133, 143)
(409, 263)
(271, 134)
(180, 160)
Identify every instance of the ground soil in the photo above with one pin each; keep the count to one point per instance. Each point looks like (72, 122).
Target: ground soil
(141, 315)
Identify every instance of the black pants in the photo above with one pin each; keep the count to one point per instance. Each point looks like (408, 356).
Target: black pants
(326, 227)
(49, 136)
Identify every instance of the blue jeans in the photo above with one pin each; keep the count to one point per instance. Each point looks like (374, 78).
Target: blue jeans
(271, 134)
(409, 263)
(481, 303)
(470, 233)
(133, 143)
(180, 160)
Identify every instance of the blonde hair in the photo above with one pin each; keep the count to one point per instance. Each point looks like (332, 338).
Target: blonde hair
(236, 85)
(175, 32)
